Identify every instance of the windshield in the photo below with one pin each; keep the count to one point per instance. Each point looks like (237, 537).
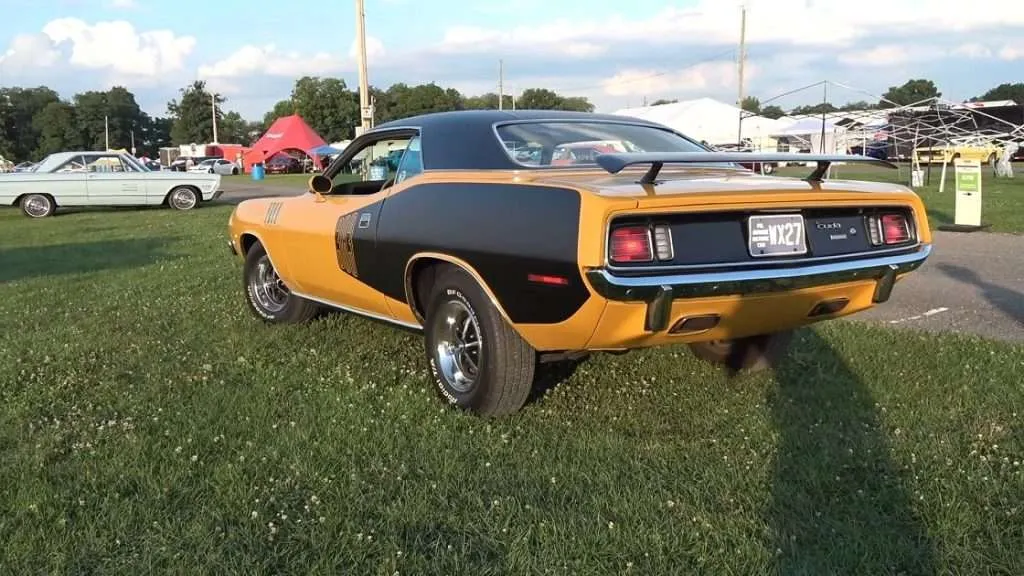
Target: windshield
(560, 143)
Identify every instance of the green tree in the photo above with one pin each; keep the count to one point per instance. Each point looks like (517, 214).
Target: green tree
(233, 129)
(544, 99)
(661, 101)
(20, 106)
(192, 115)
(488, 101)
(327, 106)
(1005, 91)
(751, 104)
(58, 130)
(823, 108)
(772, 111)
(402, 101)
(911, 92)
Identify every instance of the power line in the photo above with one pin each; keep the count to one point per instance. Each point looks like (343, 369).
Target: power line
(694, 64)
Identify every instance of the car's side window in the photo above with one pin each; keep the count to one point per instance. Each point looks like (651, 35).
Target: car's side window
(374, 167)
(412, 161)
(75, 164)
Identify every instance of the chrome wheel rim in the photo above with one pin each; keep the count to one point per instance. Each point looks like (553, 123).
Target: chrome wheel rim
(267, 289)
(37, 206)
(183, 199)
(458, 345)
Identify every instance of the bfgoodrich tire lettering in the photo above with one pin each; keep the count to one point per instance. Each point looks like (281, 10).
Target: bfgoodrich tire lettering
(490, 373)
(267, 296)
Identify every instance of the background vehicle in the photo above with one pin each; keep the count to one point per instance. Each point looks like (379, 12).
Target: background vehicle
(216, 166)
(68, 179)
(504, 266)
(283, 164)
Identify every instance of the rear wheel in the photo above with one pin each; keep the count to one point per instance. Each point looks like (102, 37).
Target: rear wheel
(479, 363)
(267, 295)
(37, 205)
(752, 353)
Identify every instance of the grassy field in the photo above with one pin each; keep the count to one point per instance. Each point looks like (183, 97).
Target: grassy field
(149, 424)
(1002, 199)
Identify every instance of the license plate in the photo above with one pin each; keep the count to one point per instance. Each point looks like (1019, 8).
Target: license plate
(777, 235)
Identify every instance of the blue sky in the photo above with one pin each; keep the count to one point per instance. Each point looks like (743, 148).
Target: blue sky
(614, 53)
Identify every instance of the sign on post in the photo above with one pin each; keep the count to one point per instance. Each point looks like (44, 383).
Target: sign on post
(967, 208)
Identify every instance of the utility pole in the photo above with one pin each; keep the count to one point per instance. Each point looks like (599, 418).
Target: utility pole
(213, 109)
(365, 109)
(742, 61)
(501, 84)
(106, 131)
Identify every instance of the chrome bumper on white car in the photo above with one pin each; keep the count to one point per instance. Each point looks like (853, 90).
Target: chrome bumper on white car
(658, 291)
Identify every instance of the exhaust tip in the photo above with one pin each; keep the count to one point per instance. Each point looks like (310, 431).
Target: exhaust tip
(826, 307)
(692, 324)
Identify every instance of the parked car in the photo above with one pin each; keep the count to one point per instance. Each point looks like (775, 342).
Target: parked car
(505, 265)
(216, 166)
(283, 164)
(72, 179)
(747, 146)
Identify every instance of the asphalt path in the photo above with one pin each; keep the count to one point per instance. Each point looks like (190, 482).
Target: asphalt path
(973, 283)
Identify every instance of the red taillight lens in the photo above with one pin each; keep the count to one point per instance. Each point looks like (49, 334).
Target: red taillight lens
(895, 229)
(888, 229)
(631, 244)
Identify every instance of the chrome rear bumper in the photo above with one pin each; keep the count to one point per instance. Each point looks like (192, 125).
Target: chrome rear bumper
(660, 290)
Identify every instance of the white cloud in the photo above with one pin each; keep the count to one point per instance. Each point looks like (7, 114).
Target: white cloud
(1012, 51)
(793, 22)
(710, 76)
(29, 50)
(890, 55)
(117, 47)
(121, 4)
(972, 50)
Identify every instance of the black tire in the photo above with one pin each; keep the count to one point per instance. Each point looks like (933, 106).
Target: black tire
(37, 205)
(274, 304)
(234, 171)
(750, 354)
(183, 198)
(505, 363)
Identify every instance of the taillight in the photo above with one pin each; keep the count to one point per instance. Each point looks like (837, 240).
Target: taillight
(631, 244)
(640, 244)
(888, 229)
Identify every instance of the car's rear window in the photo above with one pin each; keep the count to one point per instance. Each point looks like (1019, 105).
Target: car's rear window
(561, 143)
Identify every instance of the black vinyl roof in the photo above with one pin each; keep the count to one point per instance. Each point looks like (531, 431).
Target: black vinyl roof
(465, 139)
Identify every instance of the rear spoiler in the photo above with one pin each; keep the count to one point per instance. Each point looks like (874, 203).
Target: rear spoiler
(614, 163)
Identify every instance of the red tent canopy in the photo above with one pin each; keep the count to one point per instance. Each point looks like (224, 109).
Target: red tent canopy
(287, 132)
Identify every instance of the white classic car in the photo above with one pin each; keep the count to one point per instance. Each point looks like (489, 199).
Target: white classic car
(67, 179)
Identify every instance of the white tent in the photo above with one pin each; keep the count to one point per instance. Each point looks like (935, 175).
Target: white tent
(808, 133)
(709, 120)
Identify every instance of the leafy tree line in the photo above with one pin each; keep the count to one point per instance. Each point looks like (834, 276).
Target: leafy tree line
(35, 122)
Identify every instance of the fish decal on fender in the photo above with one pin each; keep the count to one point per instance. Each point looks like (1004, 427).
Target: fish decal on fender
(344, 243)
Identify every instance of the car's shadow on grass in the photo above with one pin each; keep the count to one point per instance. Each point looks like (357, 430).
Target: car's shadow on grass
(25, 262)
(839, 503)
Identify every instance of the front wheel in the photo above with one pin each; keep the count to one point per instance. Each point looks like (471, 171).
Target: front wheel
(478, 361)
(268, 296)
(183, 198)
(37, 206)
(752, 353)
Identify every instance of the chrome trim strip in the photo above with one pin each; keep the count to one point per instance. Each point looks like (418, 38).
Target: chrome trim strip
(648, 288)
(358, 311)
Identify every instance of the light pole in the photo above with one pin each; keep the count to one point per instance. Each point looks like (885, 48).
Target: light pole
(365, 109)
